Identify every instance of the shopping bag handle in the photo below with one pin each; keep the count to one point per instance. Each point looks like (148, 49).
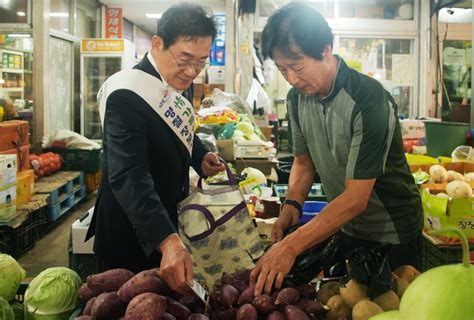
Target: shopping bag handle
(213, 224)
(230, 175)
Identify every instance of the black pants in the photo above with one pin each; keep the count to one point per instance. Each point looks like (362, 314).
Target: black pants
(401, 254)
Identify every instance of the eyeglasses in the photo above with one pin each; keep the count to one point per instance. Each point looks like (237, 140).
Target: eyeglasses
(185, 65)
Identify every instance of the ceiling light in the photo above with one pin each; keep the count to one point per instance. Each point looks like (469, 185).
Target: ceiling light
(59, 14)
(21, 13)
(153, 15)
(2, 81)
(18, 35)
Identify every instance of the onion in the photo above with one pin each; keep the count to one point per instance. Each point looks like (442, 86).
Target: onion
(445, 292)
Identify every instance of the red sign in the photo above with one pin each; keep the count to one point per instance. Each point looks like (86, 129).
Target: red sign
(113, 23)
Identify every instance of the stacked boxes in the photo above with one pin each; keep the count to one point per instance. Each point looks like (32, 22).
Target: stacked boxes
(14, 139)
(8, 167)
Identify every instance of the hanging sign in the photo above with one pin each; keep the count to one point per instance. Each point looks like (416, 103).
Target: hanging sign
(113, 23)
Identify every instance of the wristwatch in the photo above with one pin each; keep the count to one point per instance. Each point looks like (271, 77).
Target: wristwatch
(294, 204)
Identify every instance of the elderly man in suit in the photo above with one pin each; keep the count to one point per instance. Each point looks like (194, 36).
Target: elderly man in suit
(149, 147)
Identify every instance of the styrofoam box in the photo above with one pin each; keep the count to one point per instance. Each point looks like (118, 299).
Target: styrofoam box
(216, 75)
(7, 170)
(78, 235)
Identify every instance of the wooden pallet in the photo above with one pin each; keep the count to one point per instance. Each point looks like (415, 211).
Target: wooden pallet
(65, 189)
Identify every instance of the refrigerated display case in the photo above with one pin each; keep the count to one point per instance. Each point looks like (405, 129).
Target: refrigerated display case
(100, 58)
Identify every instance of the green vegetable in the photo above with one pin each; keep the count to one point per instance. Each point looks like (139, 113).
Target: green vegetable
(421, 176)
(6, 311)
(11, 274)
(388, 315)
(53, 294)
(17, 310)
(444, 292)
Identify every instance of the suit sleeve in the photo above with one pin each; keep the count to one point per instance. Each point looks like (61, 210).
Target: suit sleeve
(199, 150)
(125, 134)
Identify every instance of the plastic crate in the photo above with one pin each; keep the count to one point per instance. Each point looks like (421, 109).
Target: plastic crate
(83, 264)
(437, 255)
(89, 161)
(311, 209)
(17, 241)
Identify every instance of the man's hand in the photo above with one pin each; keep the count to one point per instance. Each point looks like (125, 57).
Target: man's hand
(289, 216)
(176, 266)
(273, 267)
(211, 164)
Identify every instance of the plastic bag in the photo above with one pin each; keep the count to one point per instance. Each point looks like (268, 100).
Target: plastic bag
(68, 139)
(312, 261)
(463, 153)
(209, 141)
(371, 266)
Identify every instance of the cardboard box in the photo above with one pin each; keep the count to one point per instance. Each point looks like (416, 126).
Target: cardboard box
(216, 75)
(267, 132)
(25, 186)
(8, 166)
(265, 165)
(14, 133)
(78, 235)
(22, 156)
(7, 203)
(253, 151)
(226, 149)
(412, 129)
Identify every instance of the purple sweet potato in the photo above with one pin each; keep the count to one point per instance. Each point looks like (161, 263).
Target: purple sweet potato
(276, 315)
(150, 306)
(198, 316)
(229, 295)
(226, 278)
(228, 314)
(247, 295)
(247, 312)
(295, 313)
(287, 296)
(311, 306)
(180, 311)
(240, 285)
(191, 301)
(107, 305)
(215, 299)
(108, 281)
(243, 275)
(84, 318)
(263, 303)
(145, 281)
(85, 293)
(167, 316)
(307, 290)
(88, 308)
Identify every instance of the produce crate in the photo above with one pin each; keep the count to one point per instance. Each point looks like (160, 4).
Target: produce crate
(93, 181)
(17, 241)
(315, 194)
(83, 264)
(434, 255)
(89, 161)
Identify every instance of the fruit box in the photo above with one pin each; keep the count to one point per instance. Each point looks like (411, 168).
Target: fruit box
(441, 212)
(435, 188)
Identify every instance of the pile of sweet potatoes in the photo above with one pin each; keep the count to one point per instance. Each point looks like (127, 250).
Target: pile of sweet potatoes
(119, 293)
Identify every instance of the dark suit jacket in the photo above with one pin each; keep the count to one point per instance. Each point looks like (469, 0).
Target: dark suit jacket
(145, 173)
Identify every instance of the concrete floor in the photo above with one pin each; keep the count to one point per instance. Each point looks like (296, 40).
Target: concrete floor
(52, 249)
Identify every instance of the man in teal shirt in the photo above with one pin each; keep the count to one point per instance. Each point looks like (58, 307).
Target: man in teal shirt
(345, 127)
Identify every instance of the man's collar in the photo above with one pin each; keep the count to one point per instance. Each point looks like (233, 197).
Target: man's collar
(153, 63)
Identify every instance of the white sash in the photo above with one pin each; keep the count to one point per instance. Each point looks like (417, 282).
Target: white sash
(173, 108)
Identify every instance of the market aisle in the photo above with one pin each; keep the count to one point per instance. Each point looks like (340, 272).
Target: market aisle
(52, 249)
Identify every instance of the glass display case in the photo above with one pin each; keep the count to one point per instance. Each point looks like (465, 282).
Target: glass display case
(96, 66)
(389, 61)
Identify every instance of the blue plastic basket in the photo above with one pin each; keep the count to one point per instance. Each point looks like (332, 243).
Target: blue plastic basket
(311, 209)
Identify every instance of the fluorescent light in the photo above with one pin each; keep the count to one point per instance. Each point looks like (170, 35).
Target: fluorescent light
(19, 35)
(21, 13)
(59, 14)
(153, 15)
(2, 81)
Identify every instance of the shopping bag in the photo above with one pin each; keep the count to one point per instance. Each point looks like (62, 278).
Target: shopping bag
(215, 226)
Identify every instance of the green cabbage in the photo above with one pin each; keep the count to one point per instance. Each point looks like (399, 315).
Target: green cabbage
(52, 294)
(11, 275)
(17, 310)
(6, 311)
